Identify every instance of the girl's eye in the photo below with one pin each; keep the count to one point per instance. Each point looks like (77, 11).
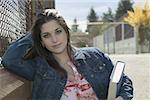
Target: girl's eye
(58, 31)
(45, 35)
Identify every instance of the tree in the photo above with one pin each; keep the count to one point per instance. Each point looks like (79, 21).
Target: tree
(74, 27)
(141, 18)
(93, 30)
(123, 7)
(108, 17)
(92, 17)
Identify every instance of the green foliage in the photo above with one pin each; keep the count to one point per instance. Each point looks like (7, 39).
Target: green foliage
(92, 17)
(144, 34)
(82, 44)
(123, 7)
(140, 17)
(93, 30)
(108, 16)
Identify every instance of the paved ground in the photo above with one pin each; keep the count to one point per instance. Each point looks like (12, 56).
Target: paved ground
(138, 69)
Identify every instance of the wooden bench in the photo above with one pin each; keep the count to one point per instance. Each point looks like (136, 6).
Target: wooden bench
(13, 87)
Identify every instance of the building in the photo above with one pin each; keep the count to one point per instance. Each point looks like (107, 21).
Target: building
(119, 38)
(80, 39)
(98, 41)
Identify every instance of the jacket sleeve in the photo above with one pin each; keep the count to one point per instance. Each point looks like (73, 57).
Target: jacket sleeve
(13, 58)
(126, 88)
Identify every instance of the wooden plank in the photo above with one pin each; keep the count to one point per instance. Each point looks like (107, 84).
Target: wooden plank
(12, 86)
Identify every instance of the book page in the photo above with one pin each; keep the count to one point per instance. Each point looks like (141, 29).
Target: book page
(118, 72)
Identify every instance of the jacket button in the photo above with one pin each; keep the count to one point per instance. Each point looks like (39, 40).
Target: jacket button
(92, 75)
(100, 67)
(45, 74)
(104, 64)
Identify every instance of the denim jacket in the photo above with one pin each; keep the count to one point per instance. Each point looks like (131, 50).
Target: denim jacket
(48, 85)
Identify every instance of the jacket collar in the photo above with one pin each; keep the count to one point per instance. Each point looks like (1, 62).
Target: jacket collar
(79, 53)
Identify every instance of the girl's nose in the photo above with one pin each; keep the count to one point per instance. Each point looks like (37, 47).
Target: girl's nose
(54, 38)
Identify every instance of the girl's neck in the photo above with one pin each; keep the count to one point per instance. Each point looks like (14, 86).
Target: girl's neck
(62, 58)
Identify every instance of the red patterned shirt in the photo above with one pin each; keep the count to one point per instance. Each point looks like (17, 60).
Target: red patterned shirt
(78, 88)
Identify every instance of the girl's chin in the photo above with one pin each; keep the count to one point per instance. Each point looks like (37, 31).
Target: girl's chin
(58, 51)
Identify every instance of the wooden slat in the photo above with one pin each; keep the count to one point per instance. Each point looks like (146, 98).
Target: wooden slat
(11, 85)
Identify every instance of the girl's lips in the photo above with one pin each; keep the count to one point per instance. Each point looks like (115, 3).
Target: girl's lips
(56, 46)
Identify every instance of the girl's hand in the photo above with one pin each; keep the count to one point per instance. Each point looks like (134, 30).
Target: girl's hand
(52, 12)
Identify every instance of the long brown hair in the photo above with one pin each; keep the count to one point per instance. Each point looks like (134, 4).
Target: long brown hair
(37, 48)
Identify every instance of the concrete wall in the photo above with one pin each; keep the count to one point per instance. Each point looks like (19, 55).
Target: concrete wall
(99, 42)
(111, 46)
(127, 46)
(109, 36)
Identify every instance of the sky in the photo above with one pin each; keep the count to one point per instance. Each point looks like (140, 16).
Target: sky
(79, 9)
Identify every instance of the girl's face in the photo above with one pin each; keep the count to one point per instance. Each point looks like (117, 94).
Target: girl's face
(54, 37)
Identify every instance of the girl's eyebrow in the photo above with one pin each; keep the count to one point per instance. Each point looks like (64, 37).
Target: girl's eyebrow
(44, 33)
(48, 32)
(58, 28)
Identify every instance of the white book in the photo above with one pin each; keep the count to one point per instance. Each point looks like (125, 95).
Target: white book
(115, 80)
